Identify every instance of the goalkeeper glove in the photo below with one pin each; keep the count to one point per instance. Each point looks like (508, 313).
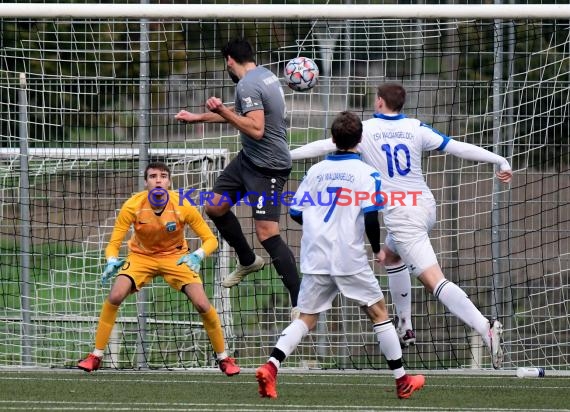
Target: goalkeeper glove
(193, 260)
(113, 266)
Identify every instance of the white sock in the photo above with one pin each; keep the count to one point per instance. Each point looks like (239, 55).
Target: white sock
(98, 352)
(458, 303)
(221, 356)
(389, 344)
(291, 336)
(400, 286)
(275, 362)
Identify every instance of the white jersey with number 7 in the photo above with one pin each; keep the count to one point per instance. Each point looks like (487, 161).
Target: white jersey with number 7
(333, 197)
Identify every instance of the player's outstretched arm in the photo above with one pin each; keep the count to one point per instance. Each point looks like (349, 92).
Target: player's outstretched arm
(478, 154)
(504, 176)
(313, 149)
(252, 123)
(206, 117)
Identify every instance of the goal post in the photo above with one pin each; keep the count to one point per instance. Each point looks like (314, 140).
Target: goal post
(495, 75)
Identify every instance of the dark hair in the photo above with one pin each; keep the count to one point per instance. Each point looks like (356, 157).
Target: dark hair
(240, 50)
(157, 165)
(346, 130)
(393, 94)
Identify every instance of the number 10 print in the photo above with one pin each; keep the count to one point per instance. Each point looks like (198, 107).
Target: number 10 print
(393, 159)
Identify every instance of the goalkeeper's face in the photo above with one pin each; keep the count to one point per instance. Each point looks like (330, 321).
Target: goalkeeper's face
(157, 178)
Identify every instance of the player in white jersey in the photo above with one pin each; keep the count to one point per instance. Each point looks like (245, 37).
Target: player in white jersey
(336, 203)
(393, 144)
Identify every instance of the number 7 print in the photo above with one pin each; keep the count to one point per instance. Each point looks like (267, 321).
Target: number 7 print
(336, 191)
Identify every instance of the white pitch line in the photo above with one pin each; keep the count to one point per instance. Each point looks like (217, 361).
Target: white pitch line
(152, 406)
(528, 384)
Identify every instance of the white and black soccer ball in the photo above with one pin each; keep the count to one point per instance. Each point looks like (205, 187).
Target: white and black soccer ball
(301, 74)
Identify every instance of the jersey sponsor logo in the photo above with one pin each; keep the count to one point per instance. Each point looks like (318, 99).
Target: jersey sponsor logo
(248, 102)
(271, 79)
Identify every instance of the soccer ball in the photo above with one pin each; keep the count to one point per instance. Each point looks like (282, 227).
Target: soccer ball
(301, 74)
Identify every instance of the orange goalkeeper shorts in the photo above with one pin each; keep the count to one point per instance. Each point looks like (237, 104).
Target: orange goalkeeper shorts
(142, 269)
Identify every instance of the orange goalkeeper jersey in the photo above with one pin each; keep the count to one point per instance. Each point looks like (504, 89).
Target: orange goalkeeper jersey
(158, 235)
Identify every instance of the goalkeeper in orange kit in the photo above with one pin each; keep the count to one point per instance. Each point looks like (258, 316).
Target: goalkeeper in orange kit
(158, 248)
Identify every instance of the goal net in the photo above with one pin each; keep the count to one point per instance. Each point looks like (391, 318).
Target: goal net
(99, 101)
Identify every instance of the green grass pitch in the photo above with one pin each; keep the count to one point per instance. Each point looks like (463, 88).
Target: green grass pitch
(74, 390)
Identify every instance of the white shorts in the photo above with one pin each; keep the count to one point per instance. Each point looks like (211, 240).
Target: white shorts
(318, 291)
(408, 234)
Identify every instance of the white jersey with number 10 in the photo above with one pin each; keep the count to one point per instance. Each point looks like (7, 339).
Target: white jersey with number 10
(394, 145)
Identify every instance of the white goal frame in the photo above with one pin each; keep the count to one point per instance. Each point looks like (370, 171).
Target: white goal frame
(289, 11)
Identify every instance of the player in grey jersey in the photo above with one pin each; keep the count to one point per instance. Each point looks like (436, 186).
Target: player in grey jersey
(260, 169)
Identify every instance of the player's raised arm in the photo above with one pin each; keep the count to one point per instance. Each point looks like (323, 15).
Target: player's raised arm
(252, 123)
(471, 152)
(313, 149)
(206, 117)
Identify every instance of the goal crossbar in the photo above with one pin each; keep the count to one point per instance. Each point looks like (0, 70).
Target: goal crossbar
(290, 11)
(103, 153)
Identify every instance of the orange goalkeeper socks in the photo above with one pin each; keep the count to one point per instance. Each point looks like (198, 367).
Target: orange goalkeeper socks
(107, 320)
(213, 328)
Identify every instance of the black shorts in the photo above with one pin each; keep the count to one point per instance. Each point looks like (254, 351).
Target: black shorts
(242, 182)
